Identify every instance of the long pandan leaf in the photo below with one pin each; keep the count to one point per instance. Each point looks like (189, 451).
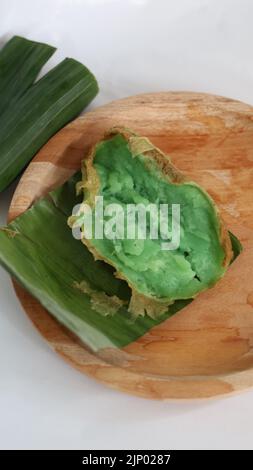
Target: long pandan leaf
(38, 249)
(20, 62)
(31, 113)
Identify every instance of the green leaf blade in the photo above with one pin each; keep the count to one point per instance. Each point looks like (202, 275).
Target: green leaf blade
(45, 258)
(46, 107)
(20, 63)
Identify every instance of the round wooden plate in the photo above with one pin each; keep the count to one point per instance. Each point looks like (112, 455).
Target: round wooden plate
(206, 349)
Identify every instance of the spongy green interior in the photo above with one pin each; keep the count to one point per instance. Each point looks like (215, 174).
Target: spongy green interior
(179, 274)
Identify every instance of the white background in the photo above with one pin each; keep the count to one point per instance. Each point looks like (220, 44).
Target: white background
(132, 46)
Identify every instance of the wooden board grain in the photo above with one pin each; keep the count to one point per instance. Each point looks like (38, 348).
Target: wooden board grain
(206, 349)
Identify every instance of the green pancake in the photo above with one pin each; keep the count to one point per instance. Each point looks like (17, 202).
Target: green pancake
(127, 169)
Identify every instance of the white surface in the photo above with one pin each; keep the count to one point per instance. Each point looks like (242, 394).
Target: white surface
(131, 46)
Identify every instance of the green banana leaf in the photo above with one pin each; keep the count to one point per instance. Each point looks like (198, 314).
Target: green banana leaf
(38, 249)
